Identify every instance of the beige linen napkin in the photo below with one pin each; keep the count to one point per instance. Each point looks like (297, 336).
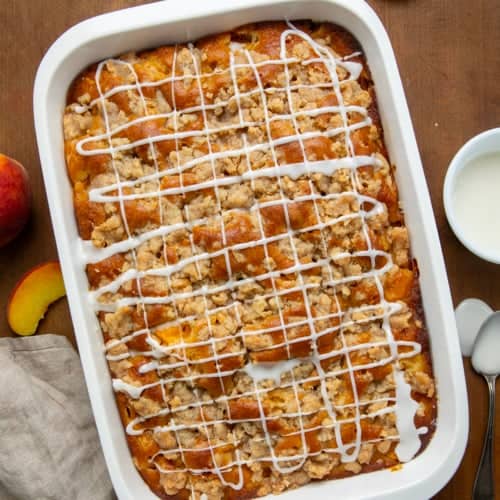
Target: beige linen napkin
(49, 449)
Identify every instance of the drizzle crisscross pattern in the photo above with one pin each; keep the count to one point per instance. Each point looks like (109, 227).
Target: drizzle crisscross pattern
(254, 228)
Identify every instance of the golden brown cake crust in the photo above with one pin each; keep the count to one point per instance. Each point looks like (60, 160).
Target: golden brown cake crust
(213, 248)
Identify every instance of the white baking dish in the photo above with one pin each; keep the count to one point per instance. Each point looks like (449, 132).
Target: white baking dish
(180, 21)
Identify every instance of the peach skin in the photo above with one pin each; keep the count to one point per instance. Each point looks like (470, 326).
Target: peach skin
(15, 198)
(31, 297)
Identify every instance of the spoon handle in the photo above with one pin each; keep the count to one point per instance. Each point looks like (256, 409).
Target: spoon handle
(483, 485)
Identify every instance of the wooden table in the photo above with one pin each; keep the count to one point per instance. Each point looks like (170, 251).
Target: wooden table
(448, 56)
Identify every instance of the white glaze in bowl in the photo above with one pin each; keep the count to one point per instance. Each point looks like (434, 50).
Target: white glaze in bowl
(486, 143)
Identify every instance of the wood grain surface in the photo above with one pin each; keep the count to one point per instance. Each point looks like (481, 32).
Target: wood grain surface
(448, 54)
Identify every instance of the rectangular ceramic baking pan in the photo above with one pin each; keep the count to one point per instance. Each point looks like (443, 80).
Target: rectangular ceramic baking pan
(183, 20)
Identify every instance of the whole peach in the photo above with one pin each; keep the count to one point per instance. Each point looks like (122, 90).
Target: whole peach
(15, 198)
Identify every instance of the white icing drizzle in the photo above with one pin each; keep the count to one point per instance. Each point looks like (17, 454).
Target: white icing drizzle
(92, 254)
(355, 71)
(409, 442)
(293, 170)
(282, 373)
(272, 370)
(200, 133)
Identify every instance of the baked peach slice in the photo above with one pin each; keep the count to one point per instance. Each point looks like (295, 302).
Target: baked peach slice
(33, 294)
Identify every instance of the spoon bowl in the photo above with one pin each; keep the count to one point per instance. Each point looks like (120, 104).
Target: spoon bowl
(486, 361)
(470, 314)
(486, 351)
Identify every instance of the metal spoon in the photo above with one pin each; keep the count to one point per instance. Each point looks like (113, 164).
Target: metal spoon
(486, 361)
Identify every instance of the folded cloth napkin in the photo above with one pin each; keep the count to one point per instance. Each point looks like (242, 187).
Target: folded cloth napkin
(49, 449)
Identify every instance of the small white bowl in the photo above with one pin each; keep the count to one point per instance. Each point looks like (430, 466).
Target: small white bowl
(484, 143)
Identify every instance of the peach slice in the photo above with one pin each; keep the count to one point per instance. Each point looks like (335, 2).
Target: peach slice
(31, 297)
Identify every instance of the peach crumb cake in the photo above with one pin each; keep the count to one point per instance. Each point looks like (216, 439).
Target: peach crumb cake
(248, 262)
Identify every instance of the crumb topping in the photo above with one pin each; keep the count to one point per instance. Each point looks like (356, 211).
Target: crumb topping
(248, 262)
